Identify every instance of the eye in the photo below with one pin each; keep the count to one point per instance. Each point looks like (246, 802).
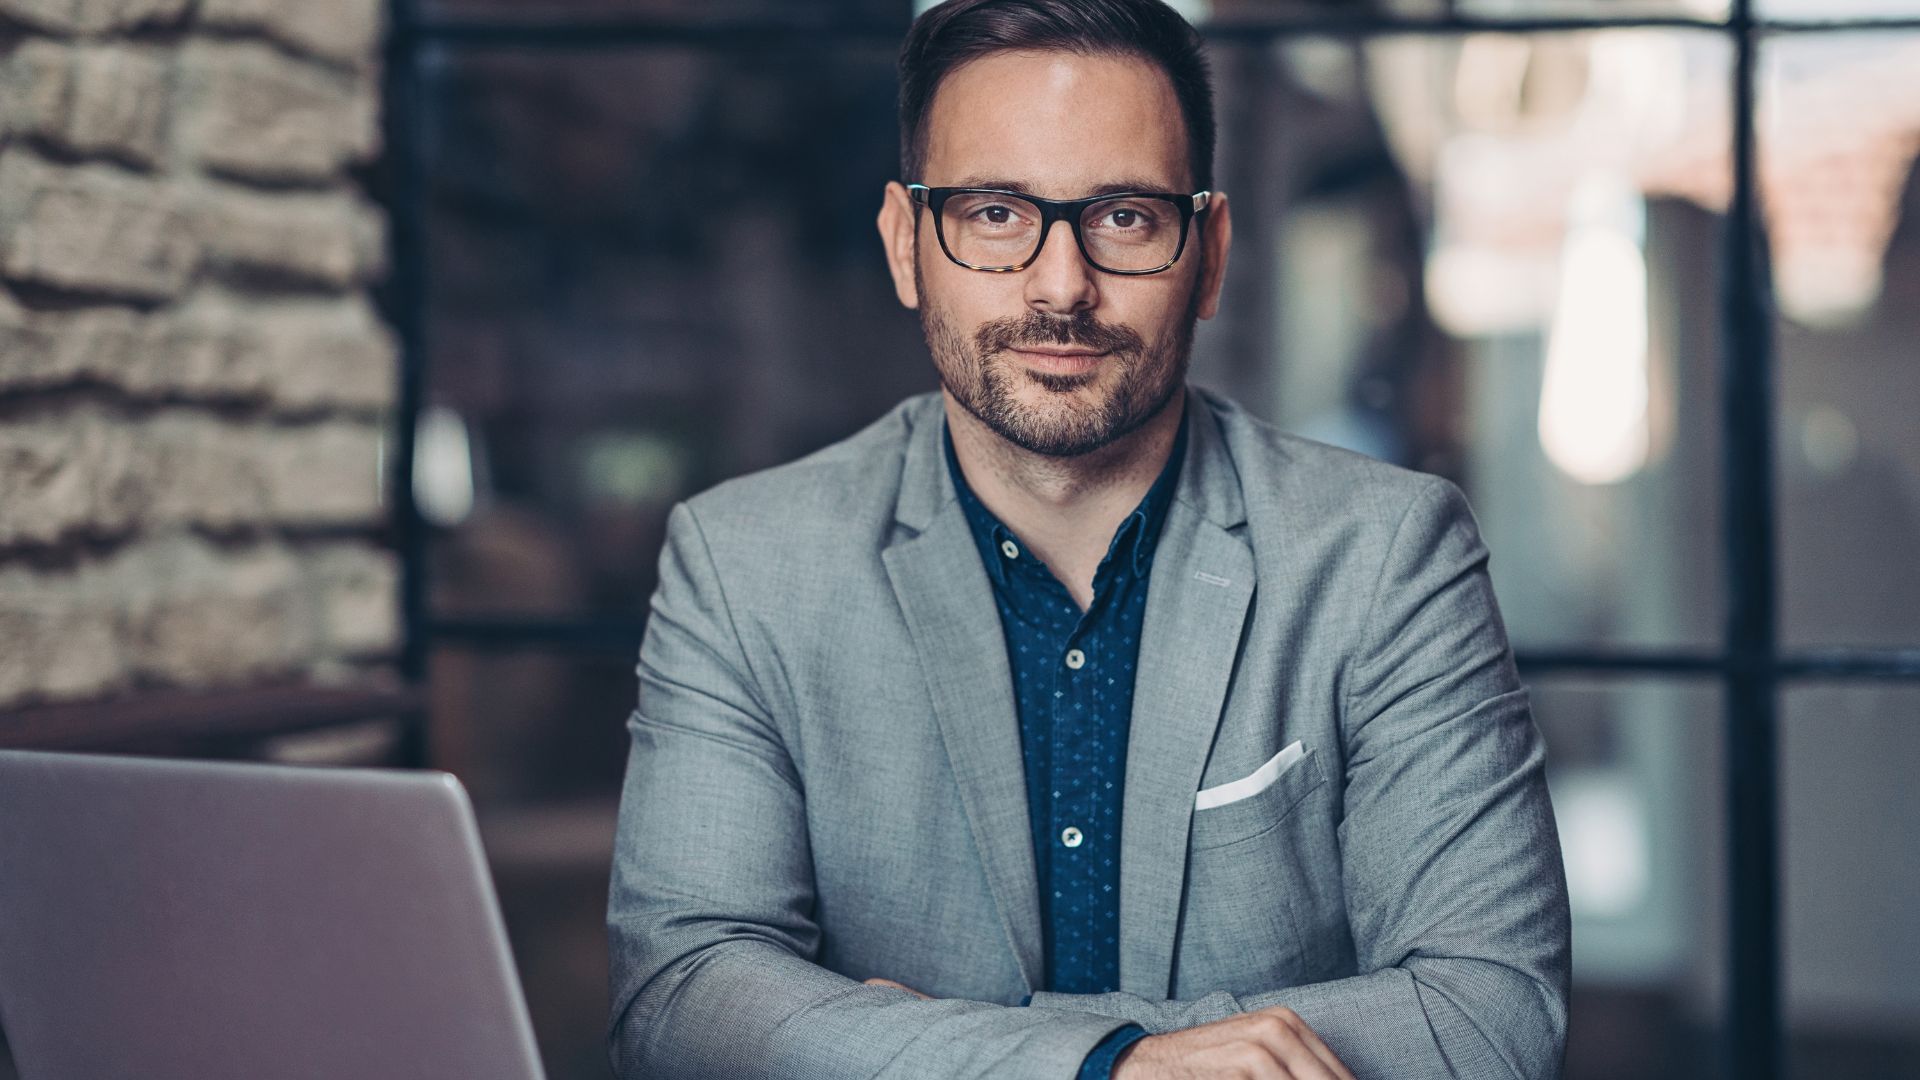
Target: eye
(994, 214)
(1125, 217)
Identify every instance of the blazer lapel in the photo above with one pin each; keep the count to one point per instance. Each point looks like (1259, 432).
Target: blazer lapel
(1202, 583)
(948, 604)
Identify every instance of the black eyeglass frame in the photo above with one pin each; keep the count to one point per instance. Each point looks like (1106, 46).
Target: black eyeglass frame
(1052, 210)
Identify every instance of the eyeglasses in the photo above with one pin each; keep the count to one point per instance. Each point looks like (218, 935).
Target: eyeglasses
(1134, 232)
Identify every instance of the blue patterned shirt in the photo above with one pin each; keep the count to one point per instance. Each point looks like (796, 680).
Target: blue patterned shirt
(1073, 689)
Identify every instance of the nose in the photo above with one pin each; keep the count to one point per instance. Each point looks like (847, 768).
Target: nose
(1059, 279)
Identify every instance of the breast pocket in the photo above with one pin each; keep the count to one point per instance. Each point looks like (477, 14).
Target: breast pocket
(1242, 817)
(1240, 927)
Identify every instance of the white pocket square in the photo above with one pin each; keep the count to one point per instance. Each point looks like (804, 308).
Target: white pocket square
(1252, 784)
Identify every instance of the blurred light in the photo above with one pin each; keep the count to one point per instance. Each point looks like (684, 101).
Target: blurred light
(1323, 67)
(1477, 289)
(1841, 120)
(632, 468)
(1604, 838)
(1489, 85)
(442, 467)
(1593, 399)
(1829, 440)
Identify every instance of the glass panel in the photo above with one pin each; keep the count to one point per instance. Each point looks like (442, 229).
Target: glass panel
(1850, 813)
(647, 266)
(1836, 9)
(650, 270)
(1229, 10)
(1838, 176)
(686, 11)
(540, 741)
(1494, 257)
(1635, 770)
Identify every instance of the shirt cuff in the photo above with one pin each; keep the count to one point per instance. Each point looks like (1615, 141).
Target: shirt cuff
(1099, 1062)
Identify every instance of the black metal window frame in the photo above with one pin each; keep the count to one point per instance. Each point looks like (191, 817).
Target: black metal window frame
(1750, 666)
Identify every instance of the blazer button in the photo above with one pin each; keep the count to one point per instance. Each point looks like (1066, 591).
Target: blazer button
(1070, 836)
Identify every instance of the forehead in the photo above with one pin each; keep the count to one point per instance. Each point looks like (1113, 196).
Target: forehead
(1060, 122)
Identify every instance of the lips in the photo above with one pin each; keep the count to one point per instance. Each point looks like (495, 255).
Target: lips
(1059, 362)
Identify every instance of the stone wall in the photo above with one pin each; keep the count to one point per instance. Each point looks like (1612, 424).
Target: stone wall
(195, 390)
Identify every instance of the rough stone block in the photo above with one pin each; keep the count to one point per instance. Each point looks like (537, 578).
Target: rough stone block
(202, 470)
(197, 614)
(327, 473)
(335, 356)
(345, 32)
(88, 99)
(332, 240)
(92, 229)
(92, 16)
(355, 587)
(185, 354)
(60, 641)
(63, 476)
(249, 111)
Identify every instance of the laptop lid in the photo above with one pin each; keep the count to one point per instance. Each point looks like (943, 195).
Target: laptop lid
(171, 919)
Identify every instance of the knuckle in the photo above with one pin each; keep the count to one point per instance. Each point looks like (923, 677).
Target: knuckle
(1271, 1026)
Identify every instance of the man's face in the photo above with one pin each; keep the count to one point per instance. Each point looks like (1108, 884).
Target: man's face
(1059, 358)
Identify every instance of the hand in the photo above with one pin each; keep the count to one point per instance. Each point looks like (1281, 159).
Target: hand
(899, 986)
(1266, 1044)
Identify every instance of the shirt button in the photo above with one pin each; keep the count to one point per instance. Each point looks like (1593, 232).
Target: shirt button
(1070, 836)
(1010, 549)
(1076, 659)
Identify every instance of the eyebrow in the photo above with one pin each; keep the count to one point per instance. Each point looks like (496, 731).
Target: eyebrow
(1021, 187)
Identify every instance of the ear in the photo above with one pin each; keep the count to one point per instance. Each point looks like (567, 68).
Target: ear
(896, 220)
(1216, 236)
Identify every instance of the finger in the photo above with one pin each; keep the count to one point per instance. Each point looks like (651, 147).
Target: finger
(1273, 1033)
(1310, 1044)
(876, 981)
(1311, 1039)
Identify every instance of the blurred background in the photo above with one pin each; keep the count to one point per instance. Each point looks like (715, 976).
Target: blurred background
(352, 354)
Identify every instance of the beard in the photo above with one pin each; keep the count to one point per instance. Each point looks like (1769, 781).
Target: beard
(985, 381)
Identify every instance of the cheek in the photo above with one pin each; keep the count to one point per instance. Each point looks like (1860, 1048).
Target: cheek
(968, 298)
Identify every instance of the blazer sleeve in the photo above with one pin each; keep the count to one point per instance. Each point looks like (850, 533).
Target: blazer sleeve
(712, 945)
(1455, 889)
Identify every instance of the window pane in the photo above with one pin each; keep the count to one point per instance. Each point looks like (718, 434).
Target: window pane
(677, 10)
(1227, 10)
(1836, 9)
(1837, 168)
(1495, 257)
(1850, 815)
(651, 269)
(1635, 766)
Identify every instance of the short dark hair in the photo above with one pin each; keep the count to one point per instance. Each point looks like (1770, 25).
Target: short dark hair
(947, 36)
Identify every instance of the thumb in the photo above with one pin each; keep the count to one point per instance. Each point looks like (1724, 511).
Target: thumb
(897, 986)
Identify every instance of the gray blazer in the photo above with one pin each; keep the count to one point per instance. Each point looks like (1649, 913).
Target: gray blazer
(825, 781)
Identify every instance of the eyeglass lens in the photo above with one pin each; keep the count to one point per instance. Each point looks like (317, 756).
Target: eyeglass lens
(993, 230)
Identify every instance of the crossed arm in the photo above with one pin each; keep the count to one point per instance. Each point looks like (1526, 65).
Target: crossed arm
(1451, 865)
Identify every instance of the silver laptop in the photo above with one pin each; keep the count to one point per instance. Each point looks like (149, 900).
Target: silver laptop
(170, 919)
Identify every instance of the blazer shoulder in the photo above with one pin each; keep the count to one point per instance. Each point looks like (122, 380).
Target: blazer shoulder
(1283, 473)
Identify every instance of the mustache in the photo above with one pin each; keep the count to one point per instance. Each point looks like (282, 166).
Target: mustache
(1081, 330)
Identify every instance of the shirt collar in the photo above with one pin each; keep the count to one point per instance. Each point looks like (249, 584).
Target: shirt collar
(1137, 534)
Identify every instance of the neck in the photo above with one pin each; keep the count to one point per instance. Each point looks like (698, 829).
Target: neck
(1064, 509)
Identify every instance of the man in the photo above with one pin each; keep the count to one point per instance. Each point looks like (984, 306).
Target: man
(1071, 722)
